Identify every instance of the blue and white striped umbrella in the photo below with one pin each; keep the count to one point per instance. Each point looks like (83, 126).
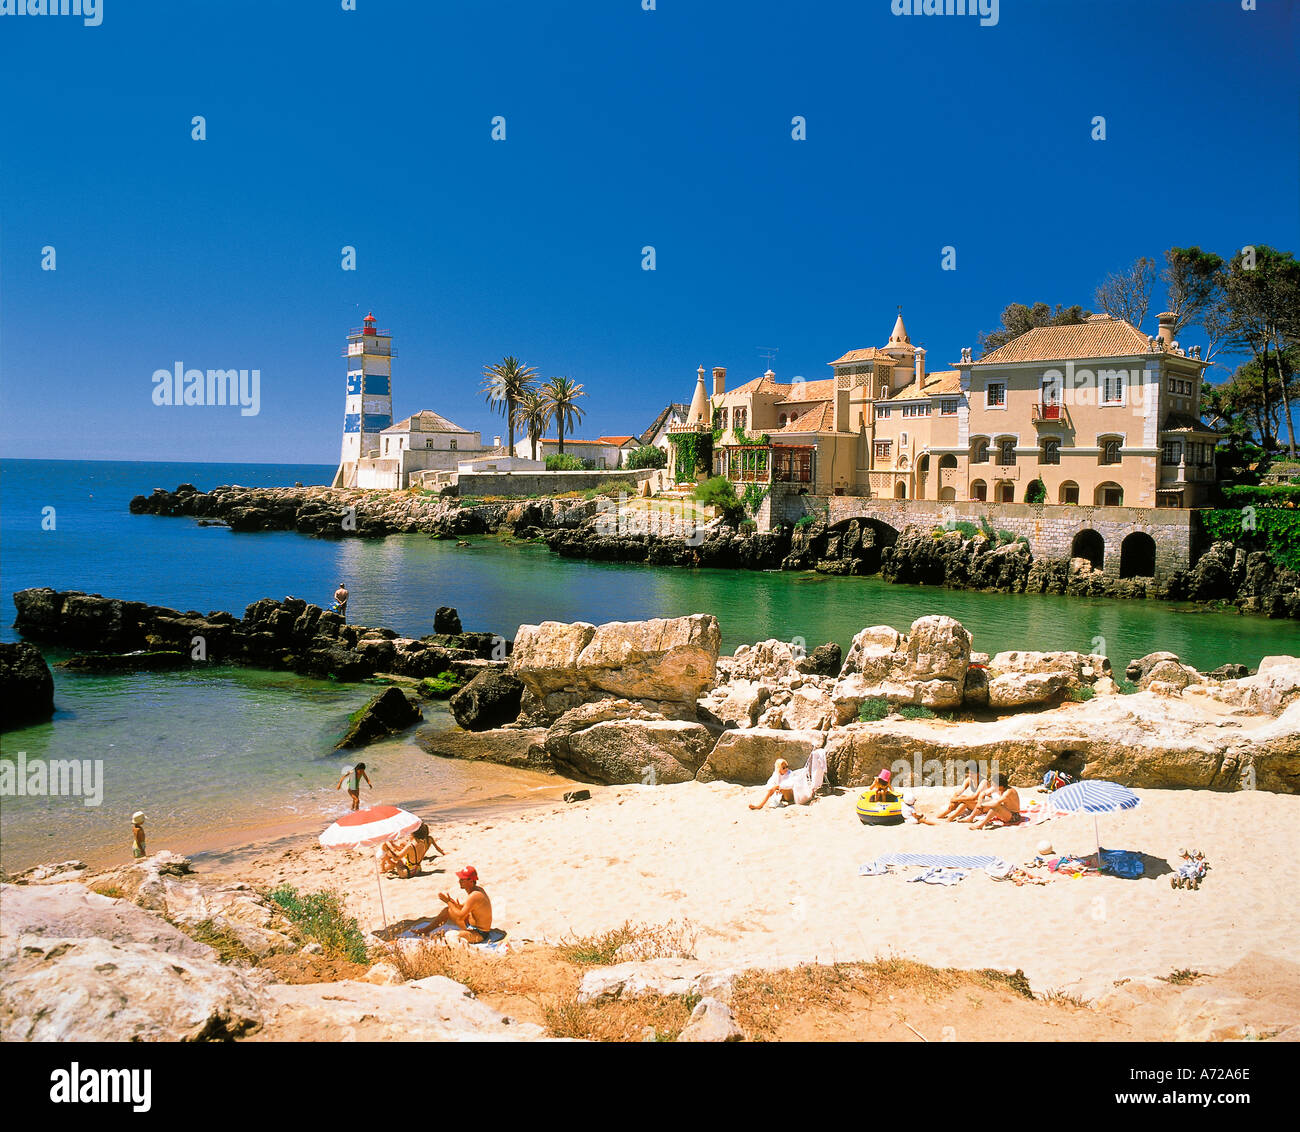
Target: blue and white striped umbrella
(1092, 798)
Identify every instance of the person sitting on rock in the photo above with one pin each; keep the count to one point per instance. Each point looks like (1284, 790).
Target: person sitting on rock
(962, 804)
(403, 857)
(1001, 804)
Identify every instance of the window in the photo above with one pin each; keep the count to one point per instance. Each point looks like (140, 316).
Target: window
(947, 408)
(1069, 492)
(781, 420)
(1175, 386)
(1173, 452)
(979, 490)
(429, 443)
(1051, 453)
(881, 453)
(883, 411)
(980, 452)
(1007, 453)
(902, 440)
(386, 442)
(1006, 492)
(1112, 387)
(916, 410)
(1110, 451)
(452, 444)
(739, 417)
(722, 418)
(997, 395)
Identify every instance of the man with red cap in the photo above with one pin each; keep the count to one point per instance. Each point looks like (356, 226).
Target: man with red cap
(469, 921)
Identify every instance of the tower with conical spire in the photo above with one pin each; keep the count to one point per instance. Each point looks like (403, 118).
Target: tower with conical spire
(700, 413)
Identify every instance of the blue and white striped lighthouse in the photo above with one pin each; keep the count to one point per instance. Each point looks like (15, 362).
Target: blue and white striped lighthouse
(368, 408)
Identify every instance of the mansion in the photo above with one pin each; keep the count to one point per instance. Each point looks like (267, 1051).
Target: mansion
(1101, 413)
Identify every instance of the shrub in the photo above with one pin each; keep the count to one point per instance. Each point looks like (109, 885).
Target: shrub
(966, 528)
(1276, 531)
(320, 917)
(804, 521)
(986, 527)
(563, 462)
(719, 492)
(873, 710)
(1005, 537)
(748, 527)
(915, 711)
(1083, 694)
(1036, 492)
(647, 456)
(753, 496)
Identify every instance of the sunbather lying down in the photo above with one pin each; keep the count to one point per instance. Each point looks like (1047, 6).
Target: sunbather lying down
(403, 858)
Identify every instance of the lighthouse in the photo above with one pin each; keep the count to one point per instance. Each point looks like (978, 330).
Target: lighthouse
(368, 408)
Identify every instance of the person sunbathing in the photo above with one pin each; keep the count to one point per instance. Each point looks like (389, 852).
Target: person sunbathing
(1001, 804)
(961, 806)
(781, 782)
(404, 857)
(464, 922)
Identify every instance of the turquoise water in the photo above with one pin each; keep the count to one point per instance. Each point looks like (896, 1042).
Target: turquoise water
(215, 752)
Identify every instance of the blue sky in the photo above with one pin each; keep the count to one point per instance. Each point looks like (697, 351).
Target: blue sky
(624, 128)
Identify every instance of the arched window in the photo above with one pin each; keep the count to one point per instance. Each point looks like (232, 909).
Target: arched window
(780, 421)
(946, 462)
(1007, 453)
(1109, 495)
(1110, 446)
(900, 489)
(979, 490)
(1069, 492)
(1006, 491)
(979, 451)
(1050, 452)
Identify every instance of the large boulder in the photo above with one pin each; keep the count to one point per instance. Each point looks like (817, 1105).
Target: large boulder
(1172, 672)
(648, 751)
(389, 712)
(1024, 679)
(738, 702)
(26, 686)
(766, 660)
(824, 660)
(490, 699)
(509, 746)
(747, 757)
(926, 667)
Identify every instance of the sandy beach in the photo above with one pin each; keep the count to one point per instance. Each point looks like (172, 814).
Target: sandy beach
(780, 886)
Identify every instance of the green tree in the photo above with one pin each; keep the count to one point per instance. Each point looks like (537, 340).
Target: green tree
(533, 414)
(1018, 319)
(562, 396)
(719, 492)
(503, 386)
(1194, 295)
(647, 456)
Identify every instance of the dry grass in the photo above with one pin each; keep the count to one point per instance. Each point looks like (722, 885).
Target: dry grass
(228, 946)
(648, 1017)
(1064, 998)
(1180, 977)
(110, 890)
(637, 941)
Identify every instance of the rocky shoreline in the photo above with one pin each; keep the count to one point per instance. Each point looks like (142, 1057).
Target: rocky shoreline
(1225, 573)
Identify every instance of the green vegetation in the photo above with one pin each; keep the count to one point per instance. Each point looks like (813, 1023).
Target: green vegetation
(1081, 695)
(804, 521)
(719, 492)
(966, 528)
(647, 456)
(563, 462)
(1271, 529)
(872, 711)
(611, 488)
(915, 711)
(1284, 496)
(987, 528)
(320, 917)
(748, 527)
(1036, 492)
(228, 946)
(1006, 537)
(694, 453)
(753, 496)
(440, 687)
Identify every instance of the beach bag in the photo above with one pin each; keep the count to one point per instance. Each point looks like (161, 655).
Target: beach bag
(1121, 863)
(1054, 780)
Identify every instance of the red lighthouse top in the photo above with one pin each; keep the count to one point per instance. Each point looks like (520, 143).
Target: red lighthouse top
(369, 321)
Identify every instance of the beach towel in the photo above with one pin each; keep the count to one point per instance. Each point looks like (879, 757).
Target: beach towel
(872, 869)
(806, 781)
(940, 860)
(939, 876)
(1121, 863)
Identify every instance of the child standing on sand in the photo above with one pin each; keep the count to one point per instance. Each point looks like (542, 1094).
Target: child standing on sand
(137, 834)
(353, 775)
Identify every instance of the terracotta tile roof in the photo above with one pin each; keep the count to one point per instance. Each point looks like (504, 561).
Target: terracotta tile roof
(1185, 422)
(937, 384)
(855, 356)
(425, 421)
(820, 418)
(1096, 338)
(808, 391)
(620, 440)
(762, 384)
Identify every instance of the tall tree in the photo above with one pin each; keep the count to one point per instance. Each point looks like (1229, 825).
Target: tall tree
(533, 414)
(1126, 294)
(1262, 290)
(562, 400)
(1193, 282)
(503, 385)
(1018, 319)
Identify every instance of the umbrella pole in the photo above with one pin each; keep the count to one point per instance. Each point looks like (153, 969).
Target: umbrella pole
(379, 883)
(1097, 830)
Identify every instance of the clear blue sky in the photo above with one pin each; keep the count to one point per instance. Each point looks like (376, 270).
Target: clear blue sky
(624, 128)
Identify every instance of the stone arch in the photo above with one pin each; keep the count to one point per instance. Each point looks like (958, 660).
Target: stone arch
(979, 490)
(900, 489)
(1090, 545)
(922, 474)
(947, 494)
(1068, 492)
(1137, 556)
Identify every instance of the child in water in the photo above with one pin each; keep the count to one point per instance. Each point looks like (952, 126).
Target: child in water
(137, 834)
(352, 776)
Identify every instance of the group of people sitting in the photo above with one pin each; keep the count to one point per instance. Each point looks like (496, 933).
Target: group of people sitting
(467, 921)
(984, 801)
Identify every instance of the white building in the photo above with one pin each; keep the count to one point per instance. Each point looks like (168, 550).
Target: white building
(606, 452)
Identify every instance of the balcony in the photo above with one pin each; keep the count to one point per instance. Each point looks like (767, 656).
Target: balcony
(1045, 413)
(371, 347)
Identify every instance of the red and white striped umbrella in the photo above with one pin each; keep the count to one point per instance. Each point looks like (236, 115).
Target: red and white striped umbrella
(372, 826)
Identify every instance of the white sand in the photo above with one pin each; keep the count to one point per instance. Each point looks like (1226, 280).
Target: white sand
(781, 886)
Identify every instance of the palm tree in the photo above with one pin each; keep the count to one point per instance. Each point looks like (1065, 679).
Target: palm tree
(562, 400)
(533, 412)
(504, 385)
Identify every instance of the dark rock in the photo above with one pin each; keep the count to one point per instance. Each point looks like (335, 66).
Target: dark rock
(489, 700)
(26, 686)
(577, 795)
(389, 712)
(1229, 672)
(127, 662)
(824, 660)
(446, 620)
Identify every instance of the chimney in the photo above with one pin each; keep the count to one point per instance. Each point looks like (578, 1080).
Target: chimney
(919, 366)
(1166, 335)
(719, 380)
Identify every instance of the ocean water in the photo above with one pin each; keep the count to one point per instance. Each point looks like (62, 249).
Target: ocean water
(210, 753)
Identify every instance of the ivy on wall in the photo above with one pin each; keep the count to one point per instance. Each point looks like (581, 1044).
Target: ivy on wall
(694, 453)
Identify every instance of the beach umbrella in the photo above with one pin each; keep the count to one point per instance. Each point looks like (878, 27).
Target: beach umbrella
(364, 829)
(1094, 798)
